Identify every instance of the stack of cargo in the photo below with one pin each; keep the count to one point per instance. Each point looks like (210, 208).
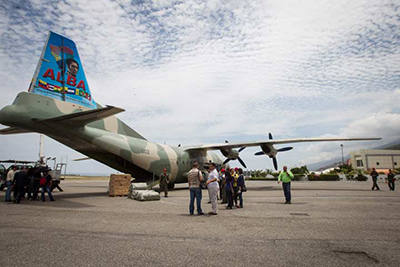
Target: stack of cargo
(138, 191)
(119, 185)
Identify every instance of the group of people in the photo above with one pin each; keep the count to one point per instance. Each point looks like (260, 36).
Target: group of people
(28, 181)
(229, 184)
(390, 179)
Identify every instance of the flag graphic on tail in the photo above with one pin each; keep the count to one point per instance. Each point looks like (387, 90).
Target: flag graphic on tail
(60, 74)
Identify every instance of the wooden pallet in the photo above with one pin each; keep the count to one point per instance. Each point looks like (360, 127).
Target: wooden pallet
(124, 195)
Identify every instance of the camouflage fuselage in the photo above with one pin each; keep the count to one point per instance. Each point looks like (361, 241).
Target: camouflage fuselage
(109, 141)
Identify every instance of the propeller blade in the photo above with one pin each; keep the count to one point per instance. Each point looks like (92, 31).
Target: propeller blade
(270, 136)
(241, 149)
(275, 163)
(226, 161)
(259, 153)
(241, 162)
(285, 149)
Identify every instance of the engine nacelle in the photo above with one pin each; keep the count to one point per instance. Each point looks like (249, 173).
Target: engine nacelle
(269, 150)
(230, 153)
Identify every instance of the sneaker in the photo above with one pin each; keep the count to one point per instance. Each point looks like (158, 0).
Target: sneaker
(290, 202)
(212, 213)
(201, 213)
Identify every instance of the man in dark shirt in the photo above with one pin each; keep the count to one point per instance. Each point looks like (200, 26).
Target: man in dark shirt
(47, 186)
(19, 182)
(374, 175)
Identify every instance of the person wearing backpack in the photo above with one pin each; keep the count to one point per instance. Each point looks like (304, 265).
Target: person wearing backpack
(45, 183)
(195, 177)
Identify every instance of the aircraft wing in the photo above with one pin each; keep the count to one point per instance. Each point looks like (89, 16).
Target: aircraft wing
(13, 130)
(272, 142)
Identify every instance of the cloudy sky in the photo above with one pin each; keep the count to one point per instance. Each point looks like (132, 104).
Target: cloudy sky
(197, 72)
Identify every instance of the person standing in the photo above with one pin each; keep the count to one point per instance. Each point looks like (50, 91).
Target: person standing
(213, 188)
(229, 188)
(195, 177)
(390, 177)
(47, 186)
(235, 177)
(36, 183)
(286, 177)
(19, 182)
(241, 184)
(374, 174)
(223, 184)
(164, 181)
(9, 182)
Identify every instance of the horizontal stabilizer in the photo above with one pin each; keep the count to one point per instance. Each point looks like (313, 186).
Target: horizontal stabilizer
(13, 130)
(81, 159)
(85, 117)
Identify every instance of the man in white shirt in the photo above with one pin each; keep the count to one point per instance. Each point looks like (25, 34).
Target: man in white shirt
(10, 178)
(213, 188)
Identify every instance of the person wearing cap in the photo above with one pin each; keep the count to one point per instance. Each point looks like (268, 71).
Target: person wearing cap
(213, 188)
(164, 181)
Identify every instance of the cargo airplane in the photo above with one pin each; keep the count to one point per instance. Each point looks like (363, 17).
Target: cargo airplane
(59, 104)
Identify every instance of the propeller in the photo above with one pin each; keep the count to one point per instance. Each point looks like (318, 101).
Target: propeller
(271, 152)
(235, 157)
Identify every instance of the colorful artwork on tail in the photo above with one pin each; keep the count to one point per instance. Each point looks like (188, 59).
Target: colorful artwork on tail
(60, 74)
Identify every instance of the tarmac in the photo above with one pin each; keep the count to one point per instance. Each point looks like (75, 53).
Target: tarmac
(327, 224)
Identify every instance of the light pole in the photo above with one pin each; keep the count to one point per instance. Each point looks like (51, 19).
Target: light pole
(341, 146)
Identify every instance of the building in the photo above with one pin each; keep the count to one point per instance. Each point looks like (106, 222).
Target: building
(366, 159)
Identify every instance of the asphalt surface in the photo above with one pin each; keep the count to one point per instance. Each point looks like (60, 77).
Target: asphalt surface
(328, 224)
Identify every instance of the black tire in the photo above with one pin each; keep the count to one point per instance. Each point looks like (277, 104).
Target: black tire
(1, 187)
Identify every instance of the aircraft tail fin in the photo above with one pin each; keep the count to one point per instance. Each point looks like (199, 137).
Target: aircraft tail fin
(59, 73)
(84, 117)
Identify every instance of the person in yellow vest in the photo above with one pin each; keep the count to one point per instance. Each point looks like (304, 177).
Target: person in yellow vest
(286, 177)
(235, 177)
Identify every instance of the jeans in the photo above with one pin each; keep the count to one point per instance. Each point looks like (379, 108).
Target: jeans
(375, 179)
(195, 193)
(286, 191)
(240, 199)
(19, 193)
(229, 196)
(235, 194)
(8, 192)
(48, 190)
(391, 184)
